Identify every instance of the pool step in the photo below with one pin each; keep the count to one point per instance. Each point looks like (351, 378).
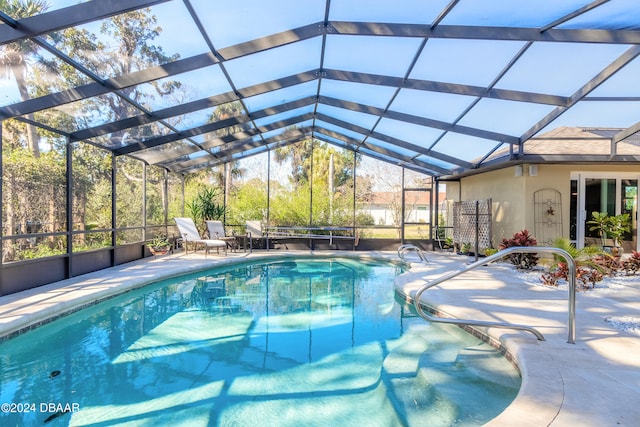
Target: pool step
(404, 354)
(467, 377)
(484, 363)
(427, 376)
(415, 400)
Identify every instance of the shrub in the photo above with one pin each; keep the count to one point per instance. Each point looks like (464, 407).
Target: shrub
(631, 265)
(490, 251)
(207, 205)
(584, 276)
(522, 261)
(589, 256)
(465, 249)
(608, 263)
(591, 265)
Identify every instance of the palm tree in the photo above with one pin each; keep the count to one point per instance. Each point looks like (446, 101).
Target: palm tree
(231, 169)
(14, 57)
(300, 156)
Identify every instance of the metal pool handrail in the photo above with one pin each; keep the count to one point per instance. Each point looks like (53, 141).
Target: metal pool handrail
(403, 249)
(499, 255)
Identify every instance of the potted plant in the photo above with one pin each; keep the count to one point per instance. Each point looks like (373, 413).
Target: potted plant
(613, 227)
(616, 227)
(159, 245)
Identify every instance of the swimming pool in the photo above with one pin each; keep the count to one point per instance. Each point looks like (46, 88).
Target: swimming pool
(301, 341)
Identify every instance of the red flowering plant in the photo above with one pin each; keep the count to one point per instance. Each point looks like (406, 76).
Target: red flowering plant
(631, 265)
(521, 261)
(585, 276)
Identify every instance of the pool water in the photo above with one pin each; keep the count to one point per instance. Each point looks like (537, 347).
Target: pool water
(313, 342)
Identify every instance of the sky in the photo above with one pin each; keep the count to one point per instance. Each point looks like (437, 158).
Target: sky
(544, 68)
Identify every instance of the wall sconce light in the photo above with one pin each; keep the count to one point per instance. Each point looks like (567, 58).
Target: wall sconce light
(533, 170)
(518, 171)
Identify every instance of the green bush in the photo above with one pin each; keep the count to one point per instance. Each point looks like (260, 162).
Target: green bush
(206, 206)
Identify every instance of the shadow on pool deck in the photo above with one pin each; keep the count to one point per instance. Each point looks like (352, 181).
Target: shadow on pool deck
(595, 382)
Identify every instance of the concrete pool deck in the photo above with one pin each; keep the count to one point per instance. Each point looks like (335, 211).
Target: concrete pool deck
(594, 382)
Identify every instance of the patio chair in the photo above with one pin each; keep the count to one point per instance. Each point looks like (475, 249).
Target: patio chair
(216, 231)
(254, 231)
(190, 234)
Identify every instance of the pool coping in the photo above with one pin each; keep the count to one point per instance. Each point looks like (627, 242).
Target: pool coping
(595, 382)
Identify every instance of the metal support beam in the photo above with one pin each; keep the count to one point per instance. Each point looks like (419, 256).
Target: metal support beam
(1, 195)
(69, 207)
(114, 204)
(421, 121)
(396, 141)
(471, 32)
(626, 133)
(144, 202)
(443, 87)
(67, 17)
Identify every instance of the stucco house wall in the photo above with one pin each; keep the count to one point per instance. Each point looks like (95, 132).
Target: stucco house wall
(513, 196)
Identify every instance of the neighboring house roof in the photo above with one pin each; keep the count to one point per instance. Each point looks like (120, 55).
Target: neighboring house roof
(576, 141)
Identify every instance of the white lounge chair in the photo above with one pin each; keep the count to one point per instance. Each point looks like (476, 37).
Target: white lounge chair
(216, 231)
(190, 234)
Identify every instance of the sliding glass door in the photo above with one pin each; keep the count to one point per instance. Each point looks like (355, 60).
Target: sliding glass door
(612, 193)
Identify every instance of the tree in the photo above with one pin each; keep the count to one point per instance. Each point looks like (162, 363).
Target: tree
(130, 49)
(34, 196)
(231, 169)
(33, 192)
(297, 154)
(327, 171)
(249, 202)
(305, 153)
(15, 57)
